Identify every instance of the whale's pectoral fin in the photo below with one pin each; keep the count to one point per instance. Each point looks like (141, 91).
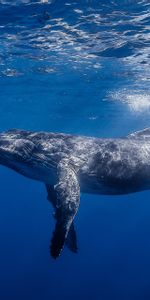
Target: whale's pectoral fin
(51, 195)
(68, 198)
(71, 240)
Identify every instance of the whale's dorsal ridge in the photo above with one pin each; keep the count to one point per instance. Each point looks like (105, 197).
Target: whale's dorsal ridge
(141, 134)
(68, 199)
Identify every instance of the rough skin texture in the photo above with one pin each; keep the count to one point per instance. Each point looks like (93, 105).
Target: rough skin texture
(68, 164)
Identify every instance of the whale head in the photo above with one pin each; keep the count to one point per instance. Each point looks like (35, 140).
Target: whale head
(15, 150)
(26, 156)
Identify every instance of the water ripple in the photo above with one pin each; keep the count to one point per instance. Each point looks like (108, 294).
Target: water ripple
(85, 35)
(77, 30)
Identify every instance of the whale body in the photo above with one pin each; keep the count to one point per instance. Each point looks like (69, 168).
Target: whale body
(70, 164)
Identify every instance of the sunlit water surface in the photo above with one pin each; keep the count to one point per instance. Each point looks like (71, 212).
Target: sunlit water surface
(80, 67)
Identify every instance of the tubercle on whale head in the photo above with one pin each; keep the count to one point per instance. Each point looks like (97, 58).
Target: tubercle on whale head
(12, 148)
(6, 155)
(5, 144)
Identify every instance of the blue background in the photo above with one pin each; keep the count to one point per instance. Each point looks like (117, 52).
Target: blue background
(78, 67)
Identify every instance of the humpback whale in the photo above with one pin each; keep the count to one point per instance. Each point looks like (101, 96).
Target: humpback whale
(68, 164)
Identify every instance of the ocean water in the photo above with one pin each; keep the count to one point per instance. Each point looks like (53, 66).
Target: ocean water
(80, 67)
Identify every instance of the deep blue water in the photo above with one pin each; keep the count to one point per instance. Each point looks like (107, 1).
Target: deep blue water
(80, 67)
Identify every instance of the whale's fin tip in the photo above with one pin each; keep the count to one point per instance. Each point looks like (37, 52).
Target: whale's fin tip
(66, 203)
(141, 134)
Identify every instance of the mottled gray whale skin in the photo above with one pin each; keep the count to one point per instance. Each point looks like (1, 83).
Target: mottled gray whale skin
(68, 164)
